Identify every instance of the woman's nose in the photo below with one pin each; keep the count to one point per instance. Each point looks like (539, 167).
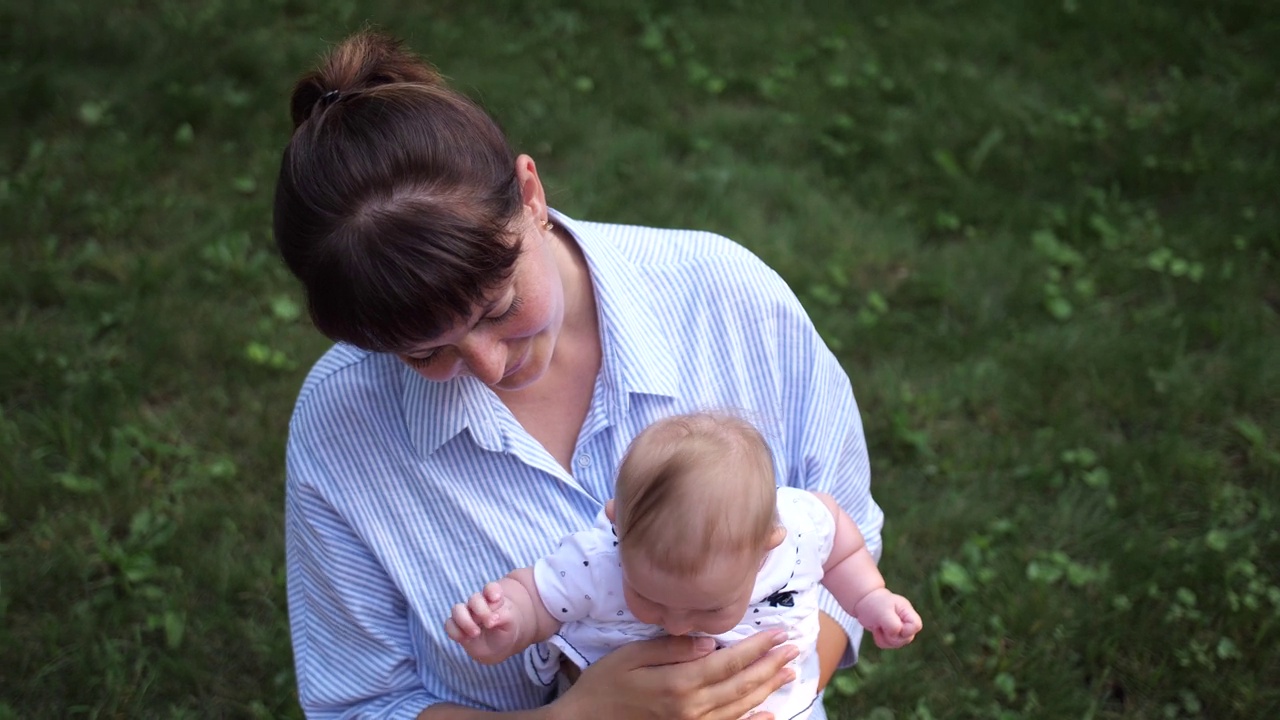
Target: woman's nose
(484, 356)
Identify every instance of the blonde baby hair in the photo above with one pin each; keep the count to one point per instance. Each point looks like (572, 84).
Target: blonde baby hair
(695, 486)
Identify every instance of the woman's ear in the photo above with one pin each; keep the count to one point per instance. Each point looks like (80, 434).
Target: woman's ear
(532, 194)
(609, 512)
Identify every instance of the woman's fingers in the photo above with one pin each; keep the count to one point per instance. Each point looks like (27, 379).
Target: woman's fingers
(741, 677)
(684, 677)
(728, 683)
(663, 651)
(733, 661)
(648, 679)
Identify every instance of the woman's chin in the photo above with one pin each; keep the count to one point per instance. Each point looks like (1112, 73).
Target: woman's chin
(522, 377)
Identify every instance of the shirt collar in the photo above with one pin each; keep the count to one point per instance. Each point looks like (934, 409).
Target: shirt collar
(633, 363)
(436, 412)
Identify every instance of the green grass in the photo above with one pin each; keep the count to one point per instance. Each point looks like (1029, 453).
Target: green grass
(1042, 236)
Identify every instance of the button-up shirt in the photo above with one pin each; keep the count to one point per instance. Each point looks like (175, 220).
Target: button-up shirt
(405, 496)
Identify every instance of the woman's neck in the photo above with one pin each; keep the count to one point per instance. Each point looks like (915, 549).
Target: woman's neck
(581, 321)
(554, 408)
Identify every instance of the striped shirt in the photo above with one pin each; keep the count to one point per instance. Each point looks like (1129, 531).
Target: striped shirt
(405, 496)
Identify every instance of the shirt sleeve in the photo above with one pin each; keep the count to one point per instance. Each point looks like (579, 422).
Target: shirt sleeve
(818, 519)
(829, 452)
(349, 624)
(566, 580)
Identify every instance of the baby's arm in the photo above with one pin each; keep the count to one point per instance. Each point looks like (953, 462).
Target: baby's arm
(851, 575)
(503, 619)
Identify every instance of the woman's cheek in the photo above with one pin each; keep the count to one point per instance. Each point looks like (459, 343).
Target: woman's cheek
(439, 371)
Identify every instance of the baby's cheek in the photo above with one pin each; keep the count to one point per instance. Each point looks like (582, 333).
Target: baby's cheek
(644, 616)
(642, 612)
(721, 624)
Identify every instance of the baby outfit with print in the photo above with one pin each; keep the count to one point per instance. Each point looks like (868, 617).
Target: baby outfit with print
(581, 585)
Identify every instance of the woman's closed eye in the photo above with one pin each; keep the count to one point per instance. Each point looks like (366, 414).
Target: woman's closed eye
(423, 360)
(510, 312)
(420, 361)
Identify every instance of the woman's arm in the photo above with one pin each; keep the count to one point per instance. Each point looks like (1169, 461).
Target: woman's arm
(444, 711)
(832, 643)
(352, 654)
(824, 443)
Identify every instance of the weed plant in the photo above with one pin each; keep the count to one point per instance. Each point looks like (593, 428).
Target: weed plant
(1042, 237)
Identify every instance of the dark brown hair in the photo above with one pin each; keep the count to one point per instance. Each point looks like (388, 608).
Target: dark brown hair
(396, 197)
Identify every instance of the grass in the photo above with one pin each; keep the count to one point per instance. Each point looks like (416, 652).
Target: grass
(1043, 238)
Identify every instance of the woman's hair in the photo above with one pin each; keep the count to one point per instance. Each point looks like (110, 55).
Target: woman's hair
(396, 197)
(692, 487)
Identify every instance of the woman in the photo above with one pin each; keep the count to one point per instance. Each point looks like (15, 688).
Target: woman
(494, 359)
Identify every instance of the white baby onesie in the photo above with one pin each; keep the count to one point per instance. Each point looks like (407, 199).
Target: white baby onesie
(581, 585)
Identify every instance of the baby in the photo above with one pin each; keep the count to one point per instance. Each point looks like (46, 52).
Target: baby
(698, 540)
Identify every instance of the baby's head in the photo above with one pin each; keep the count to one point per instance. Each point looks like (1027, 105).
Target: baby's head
(696, 512)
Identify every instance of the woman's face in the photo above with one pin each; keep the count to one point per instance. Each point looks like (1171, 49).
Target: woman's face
(508, 341)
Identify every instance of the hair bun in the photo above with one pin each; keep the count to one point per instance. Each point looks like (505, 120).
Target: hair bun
(364, 61)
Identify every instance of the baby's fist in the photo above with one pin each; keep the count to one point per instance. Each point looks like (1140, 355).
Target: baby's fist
(892, 620)
(902, 629)
(482, 611)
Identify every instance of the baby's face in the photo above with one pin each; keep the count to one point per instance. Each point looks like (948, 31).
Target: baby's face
(713, 601)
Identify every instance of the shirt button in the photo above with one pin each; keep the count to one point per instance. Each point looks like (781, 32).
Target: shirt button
(584, 460)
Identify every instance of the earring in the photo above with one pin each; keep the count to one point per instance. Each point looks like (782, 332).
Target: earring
(548, 226)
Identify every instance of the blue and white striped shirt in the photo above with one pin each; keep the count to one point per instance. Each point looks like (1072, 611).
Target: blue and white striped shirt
(405, 496)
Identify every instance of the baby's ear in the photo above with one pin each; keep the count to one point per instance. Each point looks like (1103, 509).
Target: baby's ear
(608, 511)
(779, 534)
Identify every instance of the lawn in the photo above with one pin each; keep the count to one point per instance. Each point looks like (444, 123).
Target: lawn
(1042, 237)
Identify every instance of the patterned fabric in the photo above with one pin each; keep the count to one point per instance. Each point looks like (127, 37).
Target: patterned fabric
(404, 496)
(581, 585)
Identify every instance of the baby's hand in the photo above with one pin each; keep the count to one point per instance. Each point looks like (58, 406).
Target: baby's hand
(486, 626)
(892, 620)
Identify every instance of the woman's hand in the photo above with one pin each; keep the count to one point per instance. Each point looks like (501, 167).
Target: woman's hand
(681, 678)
